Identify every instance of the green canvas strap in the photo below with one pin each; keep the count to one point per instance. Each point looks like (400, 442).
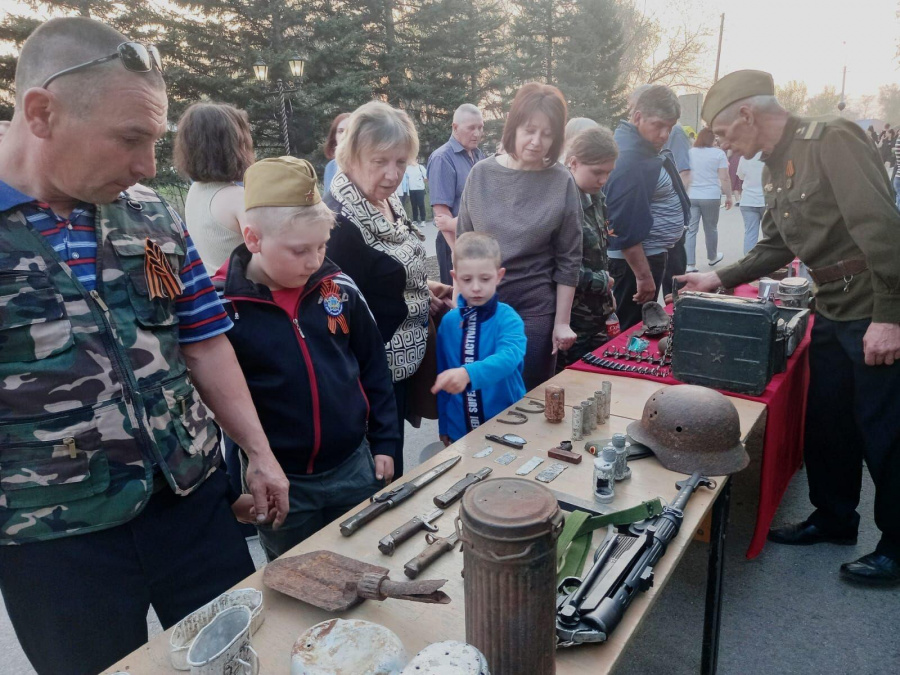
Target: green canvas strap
(575, 540)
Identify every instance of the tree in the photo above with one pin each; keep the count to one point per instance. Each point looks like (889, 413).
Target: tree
(573, 44)
(889, 100)
(823, 103)
(656, 54)
(589, 64)
(457, 50)
(539, 30)
(866, 105)
(793, 97)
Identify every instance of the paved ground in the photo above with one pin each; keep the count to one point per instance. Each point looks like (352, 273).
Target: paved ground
(784, 613)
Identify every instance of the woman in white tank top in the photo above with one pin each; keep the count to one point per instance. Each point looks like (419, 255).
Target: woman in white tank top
(213, 148)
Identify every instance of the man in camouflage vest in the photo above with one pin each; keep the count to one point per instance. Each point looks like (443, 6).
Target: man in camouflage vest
(110, 334)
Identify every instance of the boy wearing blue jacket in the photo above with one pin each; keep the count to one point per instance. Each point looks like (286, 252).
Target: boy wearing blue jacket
(312, 355)
(481, 344)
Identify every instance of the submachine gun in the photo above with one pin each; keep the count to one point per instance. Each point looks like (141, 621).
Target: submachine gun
(589, 609)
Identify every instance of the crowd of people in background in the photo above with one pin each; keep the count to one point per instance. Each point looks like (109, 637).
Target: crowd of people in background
(301, 310)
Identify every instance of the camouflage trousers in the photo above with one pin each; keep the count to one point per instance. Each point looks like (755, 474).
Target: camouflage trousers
(78, 604)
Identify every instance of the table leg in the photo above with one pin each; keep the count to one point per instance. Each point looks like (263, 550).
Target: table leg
(715, 568)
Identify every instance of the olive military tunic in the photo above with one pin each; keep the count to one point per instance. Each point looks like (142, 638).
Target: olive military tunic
(828, 200)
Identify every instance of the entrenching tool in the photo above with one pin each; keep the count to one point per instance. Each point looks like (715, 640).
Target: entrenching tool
(334, 582)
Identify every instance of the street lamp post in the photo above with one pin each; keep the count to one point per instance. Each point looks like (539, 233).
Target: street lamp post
(261, 71)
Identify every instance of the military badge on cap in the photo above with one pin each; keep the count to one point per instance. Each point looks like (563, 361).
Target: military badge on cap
(332, 299)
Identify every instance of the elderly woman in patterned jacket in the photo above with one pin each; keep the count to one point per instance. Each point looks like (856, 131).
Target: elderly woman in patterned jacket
(375, 243)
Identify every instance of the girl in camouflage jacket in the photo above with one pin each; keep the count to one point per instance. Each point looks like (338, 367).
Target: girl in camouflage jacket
(591, 157)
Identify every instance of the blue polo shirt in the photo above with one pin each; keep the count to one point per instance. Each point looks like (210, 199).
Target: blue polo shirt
(448, 169)
(200, 314)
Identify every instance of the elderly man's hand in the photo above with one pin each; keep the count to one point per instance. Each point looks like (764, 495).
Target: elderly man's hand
(881, 344)
(269, 487)
(706, 282)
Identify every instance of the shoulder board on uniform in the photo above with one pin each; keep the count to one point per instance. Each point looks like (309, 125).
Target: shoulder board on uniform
(810, 130)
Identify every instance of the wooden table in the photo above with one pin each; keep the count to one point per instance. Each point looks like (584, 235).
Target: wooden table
(418, 624)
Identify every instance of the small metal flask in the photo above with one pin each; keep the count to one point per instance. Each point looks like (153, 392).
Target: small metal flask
(554, 403)
(508, 528)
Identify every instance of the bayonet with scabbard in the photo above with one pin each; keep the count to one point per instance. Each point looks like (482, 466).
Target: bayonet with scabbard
(437, 546)
(389, 544)
(388, 500)
(456, 491)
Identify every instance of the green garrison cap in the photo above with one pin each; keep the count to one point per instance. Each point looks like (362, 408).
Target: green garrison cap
(733, 87)
(280, 181)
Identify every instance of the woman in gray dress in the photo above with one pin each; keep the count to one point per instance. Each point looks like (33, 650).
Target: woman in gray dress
(530, 204)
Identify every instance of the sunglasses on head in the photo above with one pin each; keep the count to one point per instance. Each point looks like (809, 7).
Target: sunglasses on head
(135, 57)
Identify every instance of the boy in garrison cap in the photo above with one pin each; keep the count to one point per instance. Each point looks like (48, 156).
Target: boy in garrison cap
(311, 353)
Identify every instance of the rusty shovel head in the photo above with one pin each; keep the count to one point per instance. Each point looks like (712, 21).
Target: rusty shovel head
(334, 582)
(322, 578)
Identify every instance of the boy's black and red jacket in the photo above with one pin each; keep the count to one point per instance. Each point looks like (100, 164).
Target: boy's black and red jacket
(318, 393)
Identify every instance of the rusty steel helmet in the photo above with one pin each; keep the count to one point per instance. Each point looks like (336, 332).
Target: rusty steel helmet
(690, 429)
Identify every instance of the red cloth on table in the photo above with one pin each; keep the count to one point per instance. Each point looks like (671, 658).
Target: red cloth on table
(785, 400)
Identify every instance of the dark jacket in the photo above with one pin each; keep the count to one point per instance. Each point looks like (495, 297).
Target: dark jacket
(381, 278)
(632, 184)
(318, 393)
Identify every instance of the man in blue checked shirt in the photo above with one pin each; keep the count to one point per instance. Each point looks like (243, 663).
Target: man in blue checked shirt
(112, 363)
(448, 169)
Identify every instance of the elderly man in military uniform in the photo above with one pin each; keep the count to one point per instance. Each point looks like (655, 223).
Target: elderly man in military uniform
(111, 348)
(830, 203)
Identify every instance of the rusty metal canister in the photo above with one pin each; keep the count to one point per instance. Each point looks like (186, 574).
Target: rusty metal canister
(554, 403)
(509, 527)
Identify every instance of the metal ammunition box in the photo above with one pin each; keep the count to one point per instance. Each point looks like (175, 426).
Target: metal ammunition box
(733, 343)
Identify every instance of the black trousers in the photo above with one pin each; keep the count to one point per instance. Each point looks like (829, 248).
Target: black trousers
(628, 311)
(853, 414)
(445, 258)
(676, 264)
(80, 603)
(417, 197)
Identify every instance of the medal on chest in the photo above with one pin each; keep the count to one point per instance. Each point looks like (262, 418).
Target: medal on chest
(332, 300)
(789, 172)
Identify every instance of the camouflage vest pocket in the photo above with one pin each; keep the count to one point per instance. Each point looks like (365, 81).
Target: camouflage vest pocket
(150, 312)
(62, 471)
(185, 432)
(33, 320)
